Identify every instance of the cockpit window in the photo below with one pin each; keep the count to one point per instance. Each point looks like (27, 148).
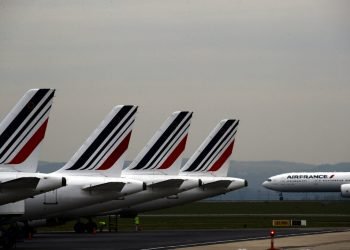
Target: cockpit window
(269, 180)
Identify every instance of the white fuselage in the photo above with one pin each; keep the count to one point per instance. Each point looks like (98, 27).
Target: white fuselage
(195, 194)
(76, 195)
(19, 191)
(151, 193)
(308, 182)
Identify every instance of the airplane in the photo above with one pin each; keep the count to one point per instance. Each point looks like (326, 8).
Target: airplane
(209, 164)
(21, 134)
(93, 173)
(157, 165)
(310, 182)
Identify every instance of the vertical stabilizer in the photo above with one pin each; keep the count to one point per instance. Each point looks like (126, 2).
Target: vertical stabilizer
(103, 153)
(212, 158)
(162, 154)
(23, 129)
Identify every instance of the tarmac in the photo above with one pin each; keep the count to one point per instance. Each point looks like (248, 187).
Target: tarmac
(327, 241)
(242, 239)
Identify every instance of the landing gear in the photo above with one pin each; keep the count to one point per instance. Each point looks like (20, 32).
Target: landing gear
(29, 231)
(79, 227)
(281, 196)
(9, 237)
(9, 241)
(89, 227)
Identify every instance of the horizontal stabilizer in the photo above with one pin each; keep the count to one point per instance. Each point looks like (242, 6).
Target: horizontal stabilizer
(108, 186)
(13, 209)
(171, 183)
(218, 184)
(20, 183)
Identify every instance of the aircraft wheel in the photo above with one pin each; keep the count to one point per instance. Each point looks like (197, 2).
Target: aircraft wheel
(281, 196)
(29, 231)
(79, 227)
(91, 227)
(9, 238)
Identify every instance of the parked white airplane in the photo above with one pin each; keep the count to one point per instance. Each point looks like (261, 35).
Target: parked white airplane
(21, 133)
(157, 165)
(209, 164)
(93, 172)
(311, 182)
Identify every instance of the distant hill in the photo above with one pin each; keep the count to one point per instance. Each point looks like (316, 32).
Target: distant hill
(48, 167)
(255, 172)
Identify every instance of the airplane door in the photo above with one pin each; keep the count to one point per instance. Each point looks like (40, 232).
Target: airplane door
(50, 198)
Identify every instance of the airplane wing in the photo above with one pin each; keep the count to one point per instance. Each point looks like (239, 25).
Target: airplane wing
(170, 183)
(218, 184)
(20, 183)
(107, 186)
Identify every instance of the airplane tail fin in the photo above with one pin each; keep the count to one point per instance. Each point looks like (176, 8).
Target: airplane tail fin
(103, 153)
(212, 158)
(23, 129)
(162, 154)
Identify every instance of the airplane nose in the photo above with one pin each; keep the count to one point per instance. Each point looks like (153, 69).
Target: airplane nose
(265, 184)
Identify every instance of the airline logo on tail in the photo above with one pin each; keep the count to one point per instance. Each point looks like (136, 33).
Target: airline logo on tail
(24, 127)
(167, 146)
(108, 142)
(214, 153)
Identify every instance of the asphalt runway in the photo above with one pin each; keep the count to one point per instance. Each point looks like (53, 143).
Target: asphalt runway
(325, 241)
(153, 239)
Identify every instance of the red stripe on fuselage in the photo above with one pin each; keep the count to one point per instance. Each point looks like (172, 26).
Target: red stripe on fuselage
(175, 154)
(29, 147)
(119, 151)
(218, 164)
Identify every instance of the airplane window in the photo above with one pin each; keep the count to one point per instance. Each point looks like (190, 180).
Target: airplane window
(269, 180)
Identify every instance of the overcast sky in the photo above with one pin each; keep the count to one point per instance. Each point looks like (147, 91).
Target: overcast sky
(281, 67)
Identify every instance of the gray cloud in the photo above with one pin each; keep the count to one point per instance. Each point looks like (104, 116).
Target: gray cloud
(281, 67)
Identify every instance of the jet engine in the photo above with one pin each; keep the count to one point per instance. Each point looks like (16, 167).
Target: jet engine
(345, 190)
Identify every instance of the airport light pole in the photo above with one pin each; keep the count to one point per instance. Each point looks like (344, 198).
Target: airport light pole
(272, 235)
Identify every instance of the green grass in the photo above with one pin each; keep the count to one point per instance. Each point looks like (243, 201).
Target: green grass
(271, 207)
(229, 215)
